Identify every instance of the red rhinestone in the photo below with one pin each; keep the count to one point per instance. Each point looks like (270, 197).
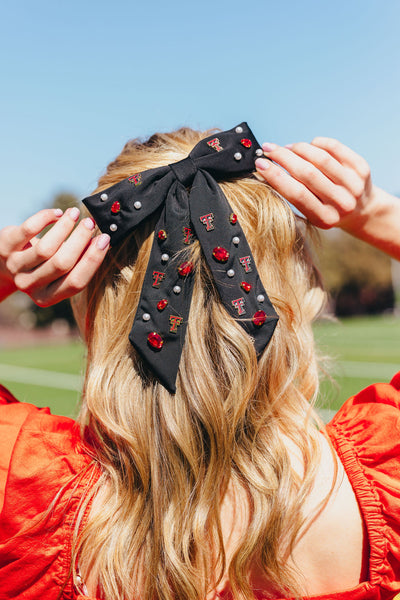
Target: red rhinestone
(220, 254)
(162, 304)
(246, 286)
(116, 207)
(233, 218)
(185, 268)
(259, 318)
(162, 235)
(246, 143)
(155, 340)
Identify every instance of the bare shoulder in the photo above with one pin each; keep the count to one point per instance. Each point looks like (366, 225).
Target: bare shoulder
(330, 552)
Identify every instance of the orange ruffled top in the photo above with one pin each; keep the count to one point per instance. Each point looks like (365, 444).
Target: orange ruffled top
(41, 453)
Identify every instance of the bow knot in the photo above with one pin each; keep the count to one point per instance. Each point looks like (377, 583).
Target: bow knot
(185, 171)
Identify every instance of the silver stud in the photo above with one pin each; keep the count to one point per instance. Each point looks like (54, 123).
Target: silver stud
(164, 257)
(146, 317)
(104, 197)
(260, 298)
(113, 227)
(177, 289)
(236, 240)
(137, 205)
(239, 129)
(230, 273)
(237, 156)
(259, 152)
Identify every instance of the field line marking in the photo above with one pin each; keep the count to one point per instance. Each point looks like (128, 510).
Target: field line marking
(371, 370)
(69, 381)
(41, 377)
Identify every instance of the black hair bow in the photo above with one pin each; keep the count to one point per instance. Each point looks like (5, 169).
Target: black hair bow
(159, 327)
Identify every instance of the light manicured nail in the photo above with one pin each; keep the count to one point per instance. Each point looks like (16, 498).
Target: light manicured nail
(89, 223)
(268, 147)
(74, 213)
(263, 164)
(289, 146)
(103, 241)
(58, 212)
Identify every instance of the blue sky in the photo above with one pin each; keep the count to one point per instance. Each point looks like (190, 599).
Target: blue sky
(79, 78)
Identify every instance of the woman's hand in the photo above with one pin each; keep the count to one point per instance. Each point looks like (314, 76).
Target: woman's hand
(55, 266)
(331, 185)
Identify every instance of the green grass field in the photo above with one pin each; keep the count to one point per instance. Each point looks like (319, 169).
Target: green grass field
(364, 350)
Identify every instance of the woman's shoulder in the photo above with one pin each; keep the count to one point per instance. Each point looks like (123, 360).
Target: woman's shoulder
(366, 435)
(366, 432)
(371, 418)
(39, 453)
(45, 469)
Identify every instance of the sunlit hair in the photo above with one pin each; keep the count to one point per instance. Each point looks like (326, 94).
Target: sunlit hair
(169, 461)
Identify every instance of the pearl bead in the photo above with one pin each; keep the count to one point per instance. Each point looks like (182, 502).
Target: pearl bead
(230, 273)
(239, 129)
(236, 240)
(260, 298)
(137, 205)
(177, 289)
(104, 197)
(259, 152)
(146, 317)
(237, 156)
(164, 257)
(113, 227)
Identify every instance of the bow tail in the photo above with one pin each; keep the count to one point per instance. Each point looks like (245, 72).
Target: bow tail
(231, 262)
(159, 328)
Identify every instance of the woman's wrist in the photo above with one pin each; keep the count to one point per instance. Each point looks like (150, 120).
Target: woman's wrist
(378, 222)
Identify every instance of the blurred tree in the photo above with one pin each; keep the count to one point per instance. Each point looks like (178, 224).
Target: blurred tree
(358, 277)
(62, 200)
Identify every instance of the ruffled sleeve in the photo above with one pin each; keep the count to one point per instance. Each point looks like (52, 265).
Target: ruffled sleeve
(366, 436)
(42, 459)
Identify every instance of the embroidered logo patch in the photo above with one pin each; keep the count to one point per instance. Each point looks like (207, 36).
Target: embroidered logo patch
(135, 179)
(215, 144)
(245, 262)
(174, 323)
(208, 221)
(188, 235)
(239, 305)
(158, 277)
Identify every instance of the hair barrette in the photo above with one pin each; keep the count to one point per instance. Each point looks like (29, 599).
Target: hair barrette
(203, 213)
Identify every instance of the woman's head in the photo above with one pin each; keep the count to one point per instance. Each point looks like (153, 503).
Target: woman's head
(270, 228)
(170, 458)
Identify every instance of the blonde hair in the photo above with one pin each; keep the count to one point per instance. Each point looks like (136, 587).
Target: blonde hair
(167, 460)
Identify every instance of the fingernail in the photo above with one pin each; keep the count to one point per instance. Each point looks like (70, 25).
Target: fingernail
(58, 212)
(268, 147)
(89, 223)
(103, 241)
(74, 213)
(262, 164)
(289, 146)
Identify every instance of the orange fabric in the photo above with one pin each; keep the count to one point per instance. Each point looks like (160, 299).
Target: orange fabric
(44, 453)
(40, 453)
